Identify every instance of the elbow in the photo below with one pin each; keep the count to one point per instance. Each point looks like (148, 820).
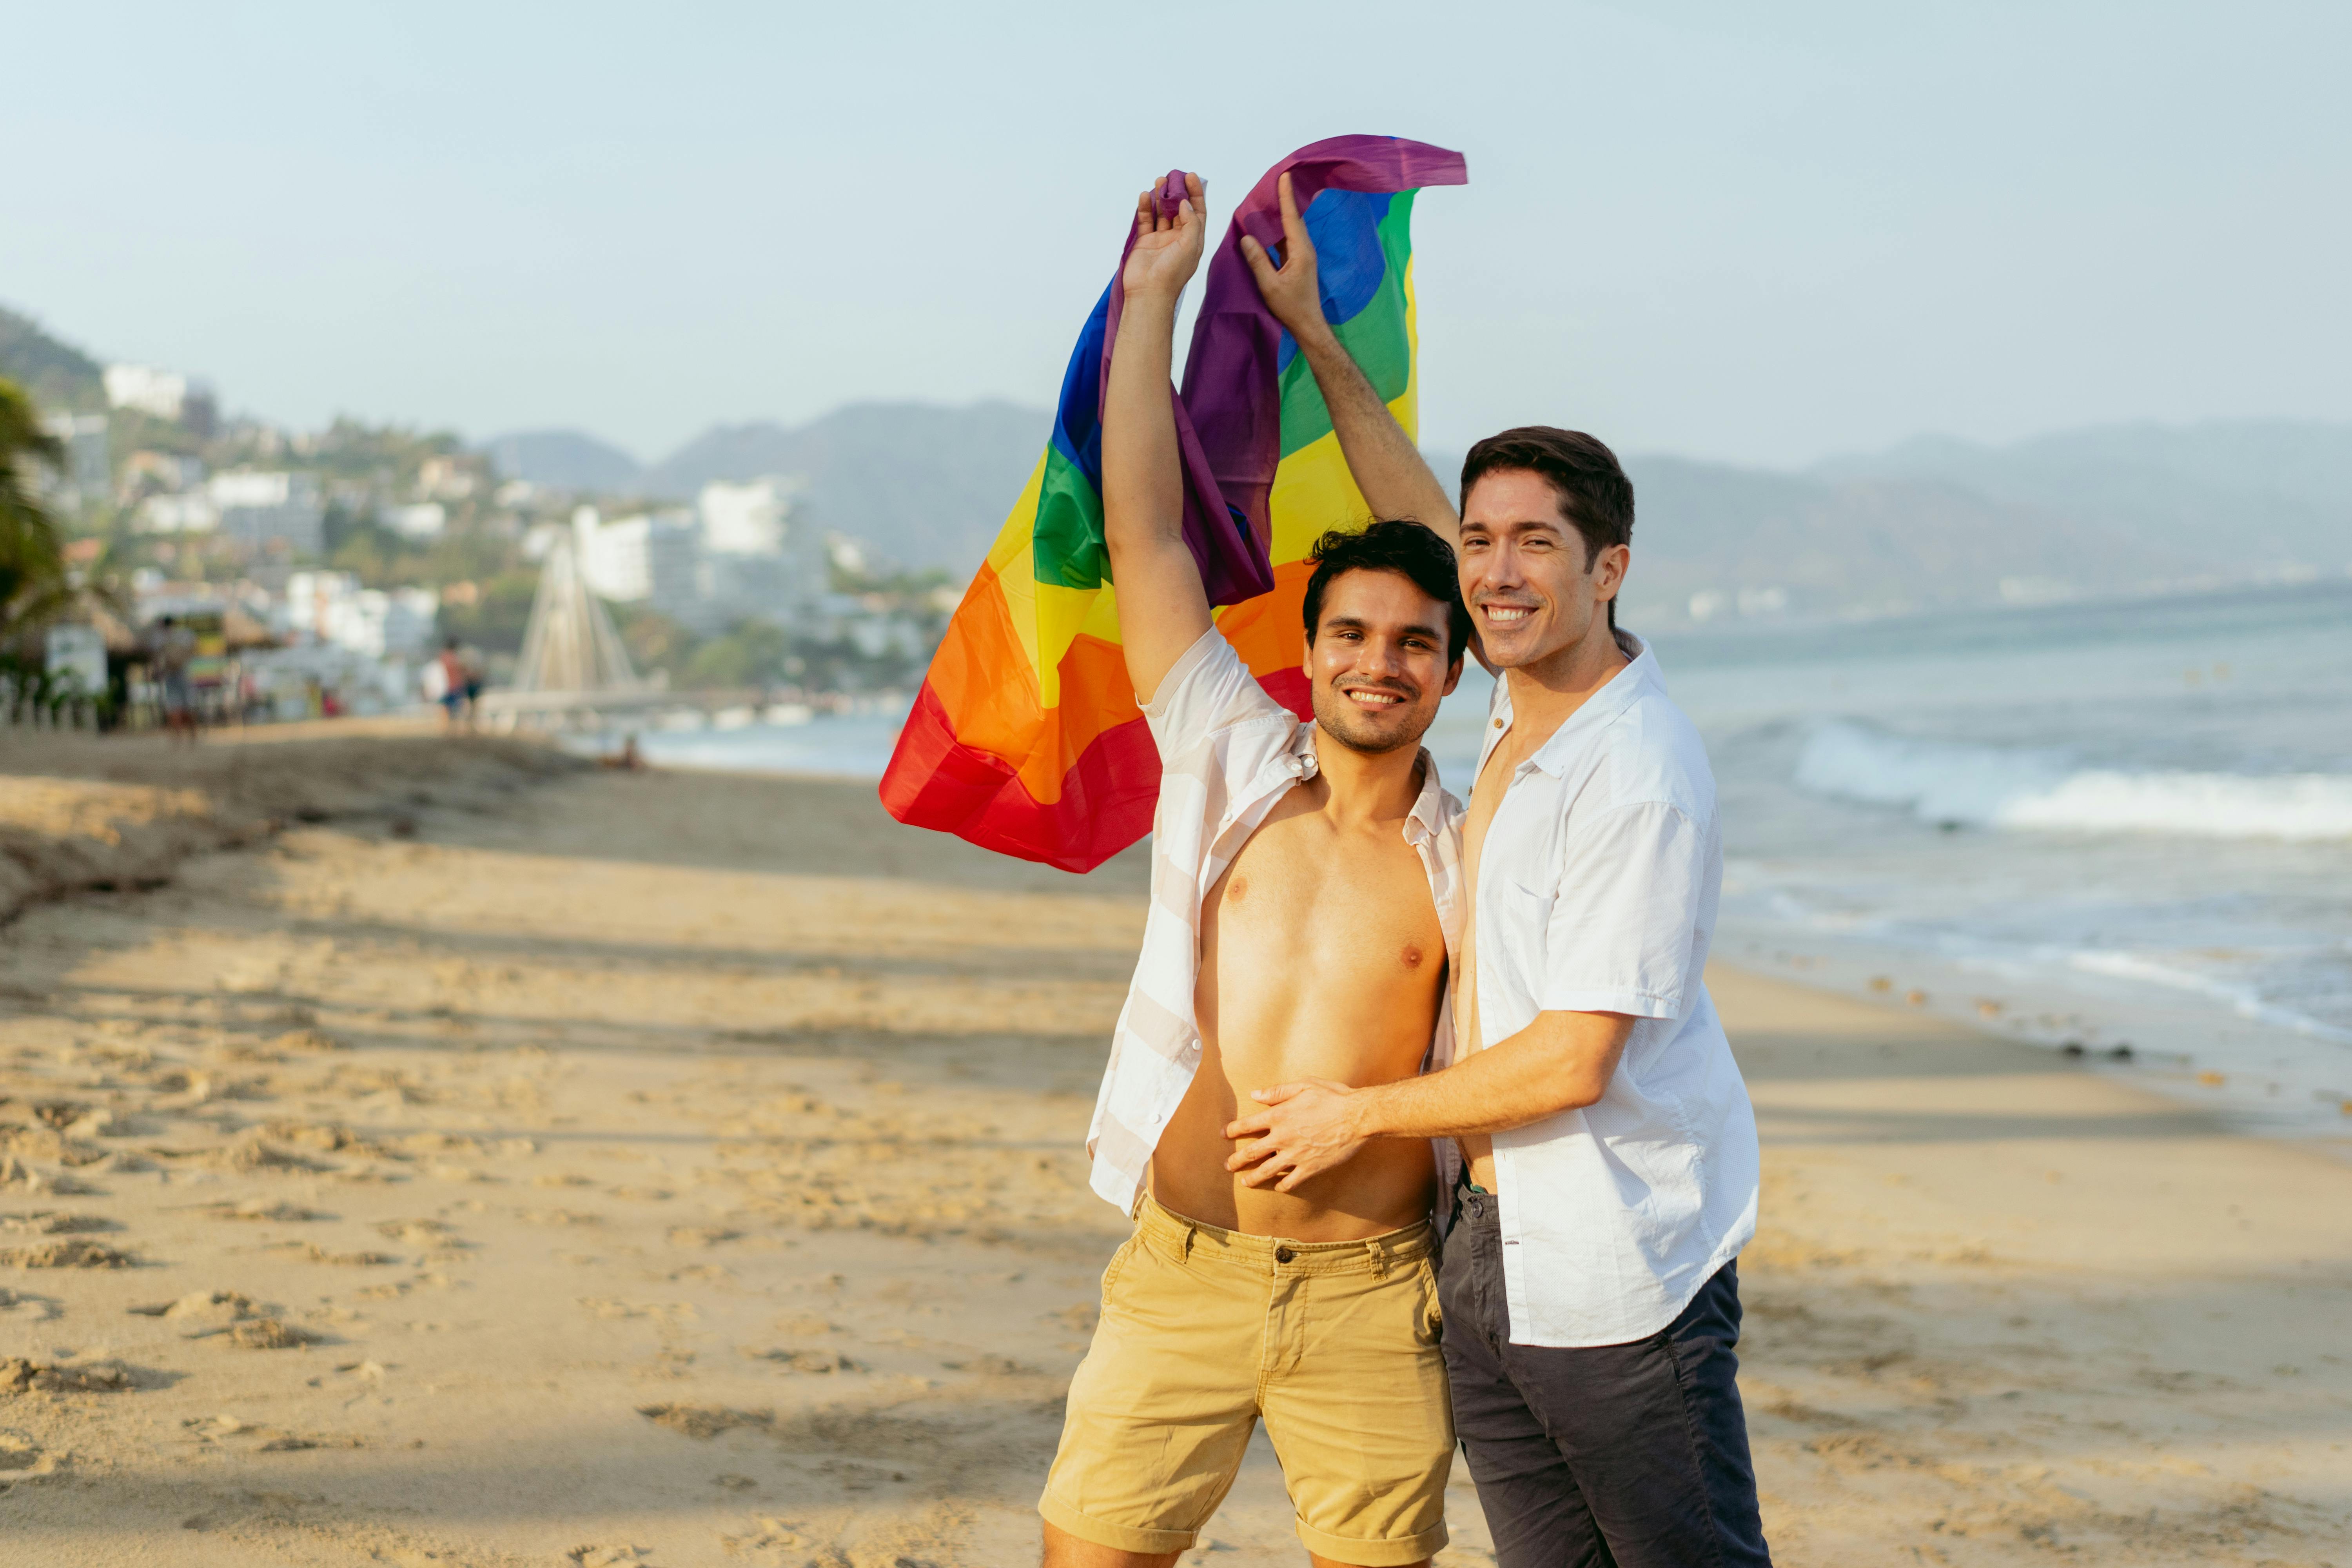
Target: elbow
(1579, 1084)
(1580, 1092)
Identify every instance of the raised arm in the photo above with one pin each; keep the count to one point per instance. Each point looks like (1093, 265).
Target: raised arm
(1388, 468)
(1162, 608)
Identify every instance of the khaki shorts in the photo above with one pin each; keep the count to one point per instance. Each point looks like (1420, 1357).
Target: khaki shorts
(1204, 1330)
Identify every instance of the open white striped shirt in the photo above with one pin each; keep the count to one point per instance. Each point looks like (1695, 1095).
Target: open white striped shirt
(1228, 752)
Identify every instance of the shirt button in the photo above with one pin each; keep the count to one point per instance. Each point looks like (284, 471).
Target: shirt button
(1498, 723)
(1283, 1255)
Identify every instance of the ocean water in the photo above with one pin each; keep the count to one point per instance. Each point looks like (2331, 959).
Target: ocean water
(2087, 826)
(846, 745)
(2102, 828)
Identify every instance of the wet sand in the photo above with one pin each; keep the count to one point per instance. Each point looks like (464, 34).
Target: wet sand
(580, 1168)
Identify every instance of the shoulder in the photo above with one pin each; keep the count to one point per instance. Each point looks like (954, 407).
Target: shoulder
(1210, 714)
(1652, 756)
(1209, 686)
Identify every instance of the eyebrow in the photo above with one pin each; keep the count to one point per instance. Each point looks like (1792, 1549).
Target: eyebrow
(1518, 524)
(1357, 623)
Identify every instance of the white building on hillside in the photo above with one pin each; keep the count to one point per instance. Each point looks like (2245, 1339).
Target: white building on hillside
(161, 392)
(166, 395)
(740, 555)
(747, 520)
(649, 558)
(192, 512)
(264, 507)
(330, 608)
(761, 561)
(421, 521)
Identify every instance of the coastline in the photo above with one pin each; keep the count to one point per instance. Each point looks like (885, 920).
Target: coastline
(683, 1168)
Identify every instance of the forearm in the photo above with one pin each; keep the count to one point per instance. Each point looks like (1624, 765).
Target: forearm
(1143, 493)
(1563, 1061)
(1388, 468)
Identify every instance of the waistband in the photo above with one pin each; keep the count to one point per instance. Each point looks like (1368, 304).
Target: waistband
(1188, 1241)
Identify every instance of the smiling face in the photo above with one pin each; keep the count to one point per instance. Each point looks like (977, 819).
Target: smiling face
(1530, 590)
(1379, 664)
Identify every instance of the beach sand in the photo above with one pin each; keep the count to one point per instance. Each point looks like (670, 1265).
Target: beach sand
(427, 1152)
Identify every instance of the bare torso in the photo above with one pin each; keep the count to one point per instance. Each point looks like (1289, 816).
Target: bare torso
(1494, 779)
(1321, 956)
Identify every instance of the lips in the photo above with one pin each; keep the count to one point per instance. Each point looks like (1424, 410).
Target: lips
(1506, 614)
(1372, 697)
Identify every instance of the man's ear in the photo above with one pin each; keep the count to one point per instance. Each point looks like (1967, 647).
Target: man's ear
(1452, 675)
(1609, 572)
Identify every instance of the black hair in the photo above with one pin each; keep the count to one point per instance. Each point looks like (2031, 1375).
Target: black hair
(1594, 494)
(1407, 548)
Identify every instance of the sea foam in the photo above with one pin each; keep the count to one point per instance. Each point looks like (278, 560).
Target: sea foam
(1992, 787)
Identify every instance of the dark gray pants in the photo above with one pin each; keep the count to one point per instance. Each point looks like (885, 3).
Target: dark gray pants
(1630, 1455)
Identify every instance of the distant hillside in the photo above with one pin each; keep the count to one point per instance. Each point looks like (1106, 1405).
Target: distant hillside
(563, 459)
(916, 483)
(1821, 544)
(2237, 495)
(57, 374)
(1807, 545)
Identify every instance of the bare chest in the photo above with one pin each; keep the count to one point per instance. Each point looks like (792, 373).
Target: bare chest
(1301, 891)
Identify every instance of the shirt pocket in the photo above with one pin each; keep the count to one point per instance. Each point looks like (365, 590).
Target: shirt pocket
(1522, 917)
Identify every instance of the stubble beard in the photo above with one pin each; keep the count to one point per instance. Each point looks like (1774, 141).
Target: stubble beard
(1342, 720)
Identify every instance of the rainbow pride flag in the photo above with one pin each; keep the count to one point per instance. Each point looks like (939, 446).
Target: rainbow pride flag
(1025, 737)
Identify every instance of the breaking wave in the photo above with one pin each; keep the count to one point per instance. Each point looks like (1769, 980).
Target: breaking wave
(1991, 786)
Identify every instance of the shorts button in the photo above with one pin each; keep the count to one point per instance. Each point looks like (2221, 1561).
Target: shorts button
(1283, 1255)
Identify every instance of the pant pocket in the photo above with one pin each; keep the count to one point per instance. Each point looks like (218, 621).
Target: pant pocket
(1117, 1266)
(1430, 1325)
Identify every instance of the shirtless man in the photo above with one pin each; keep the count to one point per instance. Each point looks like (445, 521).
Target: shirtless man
(1302, 916)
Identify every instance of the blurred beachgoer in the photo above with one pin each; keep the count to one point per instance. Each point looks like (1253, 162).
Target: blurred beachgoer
(471, 660)
(1594, 1132)
(174, 649)
(1303, 892)
(627, 758)
(453, 684)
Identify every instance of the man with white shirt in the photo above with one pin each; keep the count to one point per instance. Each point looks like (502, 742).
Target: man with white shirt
(1304, 899)
(1593, 1127)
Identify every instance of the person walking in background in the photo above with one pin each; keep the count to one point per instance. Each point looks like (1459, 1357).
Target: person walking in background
(454, 681)
(470, 659)
(173, 649)
(1593, 1129)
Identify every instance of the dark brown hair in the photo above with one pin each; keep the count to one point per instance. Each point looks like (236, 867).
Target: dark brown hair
(1594, 493)
(1405, 548)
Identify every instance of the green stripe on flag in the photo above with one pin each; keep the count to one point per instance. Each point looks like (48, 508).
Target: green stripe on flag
(1066, 546)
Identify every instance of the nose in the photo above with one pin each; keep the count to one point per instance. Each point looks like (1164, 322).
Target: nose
(1499, 567)
(1380, 655)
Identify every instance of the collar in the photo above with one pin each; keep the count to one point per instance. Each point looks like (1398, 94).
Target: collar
(1639, 677)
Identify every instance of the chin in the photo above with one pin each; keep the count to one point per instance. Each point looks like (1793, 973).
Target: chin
(1372, 737)
(1524, 644)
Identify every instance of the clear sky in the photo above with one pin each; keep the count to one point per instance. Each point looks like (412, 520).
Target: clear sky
(1756, 233)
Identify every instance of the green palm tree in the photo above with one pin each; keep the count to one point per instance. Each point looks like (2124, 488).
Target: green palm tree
(33, 582)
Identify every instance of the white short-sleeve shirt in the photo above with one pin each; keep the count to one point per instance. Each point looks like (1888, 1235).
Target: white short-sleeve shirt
(1597, 888)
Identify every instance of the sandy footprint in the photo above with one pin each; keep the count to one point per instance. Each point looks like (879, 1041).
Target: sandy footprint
(73, 1252)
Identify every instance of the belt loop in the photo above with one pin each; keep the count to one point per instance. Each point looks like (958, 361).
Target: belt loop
(1379, 1256)
(1190, 1232)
